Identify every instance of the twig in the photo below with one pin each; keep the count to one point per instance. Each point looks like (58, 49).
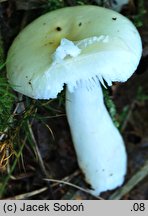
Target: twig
(139, 176)
(41, 163)
(72, 185)
(37, 151)
(67, 178)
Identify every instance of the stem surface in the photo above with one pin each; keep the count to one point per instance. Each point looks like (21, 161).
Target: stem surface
(99, 146)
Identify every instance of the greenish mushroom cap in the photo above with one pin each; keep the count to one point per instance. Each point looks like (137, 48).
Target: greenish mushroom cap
(108, 47)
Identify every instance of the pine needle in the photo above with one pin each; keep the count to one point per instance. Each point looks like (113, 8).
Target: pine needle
(136, 178)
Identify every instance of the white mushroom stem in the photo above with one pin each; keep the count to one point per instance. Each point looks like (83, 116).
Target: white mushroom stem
(99, 146)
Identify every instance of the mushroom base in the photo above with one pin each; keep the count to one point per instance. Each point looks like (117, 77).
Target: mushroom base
(98, 144)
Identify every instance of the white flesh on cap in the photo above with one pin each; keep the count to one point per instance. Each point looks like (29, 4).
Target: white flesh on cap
(99, 146)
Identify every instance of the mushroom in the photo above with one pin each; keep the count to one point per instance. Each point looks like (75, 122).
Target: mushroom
(81, 47)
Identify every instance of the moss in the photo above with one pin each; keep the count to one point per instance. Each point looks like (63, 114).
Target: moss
(6, 97)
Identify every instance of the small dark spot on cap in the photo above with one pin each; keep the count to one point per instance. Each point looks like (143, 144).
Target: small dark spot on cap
(114, 18)
(44, 23)
(30, 82)
(80, 24)
(58, 28)
(111, 174)
(26, 76)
